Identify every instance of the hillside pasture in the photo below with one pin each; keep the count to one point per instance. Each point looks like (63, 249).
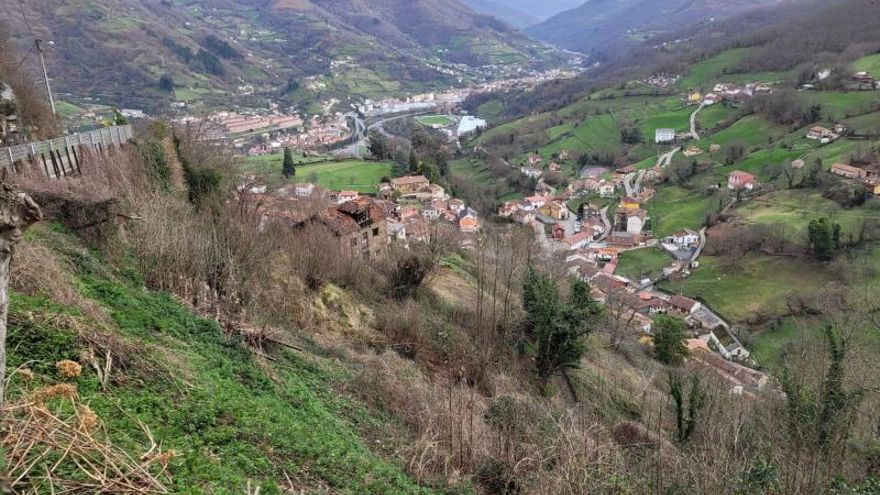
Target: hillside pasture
(871, 64)
(752, 130)
(344, 175)
(837, 105)
(642, 263)
(758, 285)
(796, 208)
(674, 208)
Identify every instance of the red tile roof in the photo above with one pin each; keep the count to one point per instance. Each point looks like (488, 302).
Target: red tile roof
(682, 302)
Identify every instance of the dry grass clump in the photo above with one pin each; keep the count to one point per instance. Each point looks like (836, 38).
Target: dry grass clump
(68, 369)
(52, 443)
(115, 174)
(535, 445)
(36, 269)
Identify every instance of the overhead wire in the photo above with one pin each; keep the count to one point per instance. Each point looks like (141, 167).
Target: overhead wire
(23, 16)
(26, 55)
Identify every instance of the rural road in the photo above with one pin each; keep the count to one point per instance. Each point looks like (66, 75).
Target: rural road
(666, 158)
(694, 133)
(702, 245)
(607, 223)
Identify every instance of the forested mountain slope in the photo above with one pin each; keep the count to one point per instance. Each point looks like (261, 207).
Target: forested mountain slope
(608, 27)
(209, 48)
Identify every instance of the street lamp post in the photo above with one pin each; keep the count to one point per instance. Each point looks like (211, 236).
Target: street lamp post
(39, 46)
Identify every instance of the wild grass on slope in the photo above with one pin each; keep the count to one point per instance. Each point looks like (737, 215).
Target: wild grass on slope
(228, 419)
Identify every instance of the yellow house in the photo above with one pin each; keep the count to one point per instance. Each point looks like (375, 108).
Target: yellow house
(630, 204)
(695, 97)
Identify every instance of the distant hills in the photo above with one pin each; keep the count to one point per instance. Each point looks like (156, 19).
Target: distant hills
(516, 18)
(605, 27)
(290, 50)
(522, 13)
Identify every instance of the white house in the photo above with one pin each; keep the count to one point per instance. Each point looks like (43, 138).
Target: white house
(606, 188)
(304, 190)
(635, 224)
(664, 136)
(531, 172)
(430, 213)
(346, 196)
(683, 238)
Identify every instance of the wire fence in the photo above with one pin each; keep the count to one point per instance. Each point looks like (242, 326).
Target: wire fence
(62, 156)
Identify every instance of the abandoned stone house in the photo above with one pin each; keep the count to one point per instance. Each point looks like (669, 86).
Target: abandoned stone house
(359, 225)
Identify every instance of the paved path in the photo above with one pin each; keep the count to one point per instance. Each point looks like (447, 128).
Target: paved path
(607, 223)
(694, 133)
(666, 158)
(701, 247)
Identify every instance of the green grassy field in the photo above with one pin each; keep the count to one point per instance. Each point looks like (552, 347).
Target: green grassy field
(755, 162)
(705, 73)
(355, 175)
(678, 119)
(643, 263)
(867, 124)
(674, 208)
(870, 64)
(795, 209)
(840, 105)
(752, 130)
(437, 120)
(713, 115)
(759, 284)
(491, 110)
(66, 109)
(598, 133)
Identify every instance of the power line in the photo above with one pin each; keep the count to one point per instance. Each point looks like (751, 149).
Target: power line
(26, 55)
(26, 22)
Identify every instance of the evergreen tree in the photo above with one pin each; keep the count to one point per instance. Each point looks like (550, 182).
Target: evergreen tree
(824, 238)
(554, 330)
(823, 420)
(413, 161)
(669, 336)
(288, 168)
(166, 83)
(378, 145)
(687, 412)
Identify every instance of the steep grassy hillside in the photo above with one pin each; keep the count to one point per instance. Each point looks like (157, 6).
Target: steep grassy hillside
(226, 417)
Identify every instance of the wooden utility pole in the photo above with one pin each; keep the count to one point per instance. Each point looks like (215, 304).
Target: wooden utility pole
(17, 212)
(38, 43)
